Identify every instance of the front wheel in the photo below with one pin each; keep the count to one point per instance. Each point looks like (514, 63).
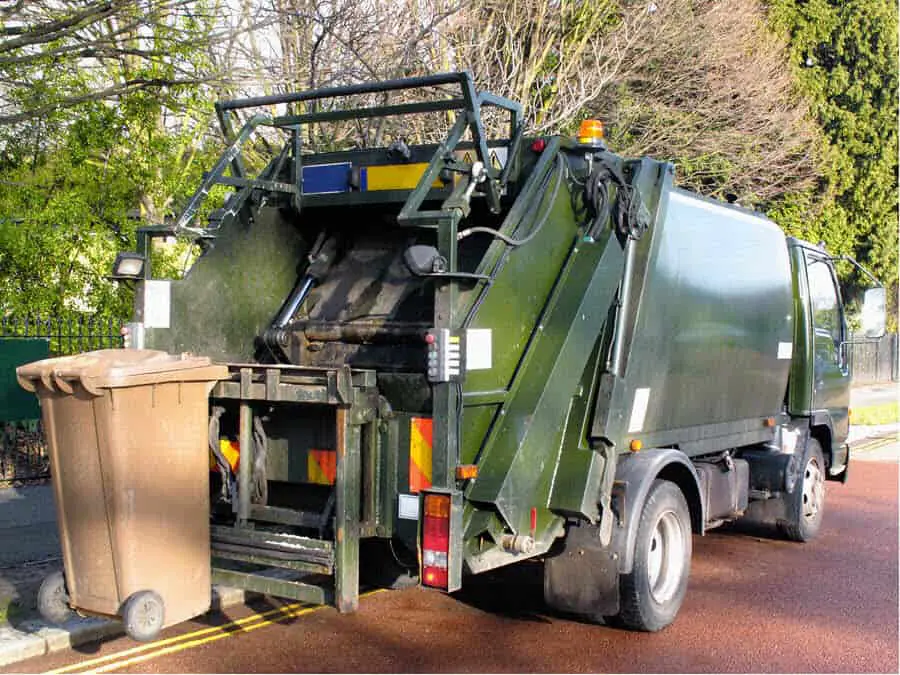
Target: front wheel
(806, 504)
(651, 595)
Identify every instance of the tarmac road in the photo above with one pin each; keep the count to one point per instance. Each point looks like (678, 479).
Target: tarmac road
(754, 604)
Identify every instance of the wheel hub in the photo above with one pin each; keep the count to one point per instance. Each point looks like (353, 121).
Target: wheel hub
(665, 559)
(813, 489)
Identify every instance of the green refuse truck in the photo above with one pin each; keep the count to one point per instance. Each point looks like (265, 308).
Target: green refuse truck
(424, 361)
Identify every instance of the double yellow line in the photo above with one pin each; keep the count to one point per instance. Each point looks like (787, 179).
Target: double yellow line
(131, 657)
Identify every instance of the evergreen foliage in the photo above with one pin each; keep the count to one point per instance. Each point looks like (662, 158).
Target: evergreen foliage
(844, 57)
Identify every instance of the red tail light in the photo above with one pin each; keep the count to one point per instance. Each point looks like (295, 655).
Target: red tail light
(436, 541)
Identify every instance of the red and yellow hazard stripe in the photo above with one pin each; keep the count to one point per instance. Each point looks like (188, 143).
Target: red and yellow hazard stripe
(321, 467)
(420, 444)
(231, 451)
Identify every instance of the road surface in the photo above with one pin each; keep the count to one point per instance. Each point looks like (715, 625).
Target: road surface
(27, 525)
(755, 604)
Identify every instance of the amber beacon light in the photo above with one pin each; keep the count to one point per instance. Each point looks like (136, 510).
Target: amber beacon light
(591, 132)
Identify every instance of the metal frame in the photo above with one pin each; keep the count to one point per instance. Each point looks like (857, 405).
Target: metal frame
(349, 392)
(469, 105)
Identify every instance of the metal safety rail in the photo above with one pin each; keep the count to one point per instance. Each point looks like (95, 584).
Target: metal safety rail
(482, 172)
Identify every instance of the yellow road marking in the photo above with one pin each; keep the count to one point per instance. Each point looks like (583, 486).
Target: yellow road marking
(873, 443)
(200, 641)
(178, 638)
(194, 639)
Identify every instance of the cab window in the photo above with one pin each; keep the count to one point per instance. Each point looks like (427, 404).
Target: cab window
(826, 311)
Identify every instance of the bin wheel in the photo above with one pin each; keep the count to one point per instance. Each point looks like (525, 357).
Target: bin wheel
(53, 599)
(143, 615)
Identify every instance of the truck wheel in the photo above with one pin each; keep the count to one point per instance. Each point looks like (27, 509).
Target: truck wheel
(143, 616)
(53, 599)
(651, 595)
(806, 505)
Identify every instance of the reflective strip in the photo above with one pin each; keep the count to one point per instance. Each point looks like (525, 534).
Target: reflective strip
(394, 177)
(321, 467)
(320, 179)
(420, 439)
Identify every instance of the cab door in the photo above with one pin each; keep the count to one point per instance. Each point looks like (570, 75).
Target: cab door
(831, 374)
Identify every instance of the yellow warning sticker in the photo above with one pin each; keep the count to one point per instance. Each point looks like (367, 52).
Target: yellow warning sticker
(396, 177)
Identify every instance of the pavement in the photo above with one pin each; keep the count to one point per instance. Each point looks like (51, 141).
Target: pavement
(873, 394)
(29, 551)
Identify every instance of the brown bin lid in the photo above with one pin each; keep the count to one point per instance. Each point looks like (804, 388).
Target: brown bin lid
(108, 368)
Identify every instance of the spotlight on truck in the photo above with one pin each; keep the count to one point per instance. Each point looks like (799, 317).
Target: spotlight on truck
(128, 266)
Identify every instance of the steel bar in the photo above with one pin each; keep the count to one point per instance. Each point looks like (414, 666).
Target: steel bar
(346, 522)
(245, 470)
(375, 111)
(314, 595)
(349, 90)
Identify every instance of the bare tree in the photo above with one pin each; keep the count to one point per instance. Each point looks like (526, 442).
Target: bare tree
(709, 84)
(305, 44)
(72, 53)
(555, 56)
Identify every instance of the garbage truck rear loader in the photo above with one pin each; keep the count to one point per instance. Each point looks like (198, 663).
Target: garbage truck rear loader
(444, 359)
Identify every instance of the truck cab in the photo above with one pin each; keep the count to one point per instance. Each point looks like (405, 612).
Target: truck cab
(819, 385)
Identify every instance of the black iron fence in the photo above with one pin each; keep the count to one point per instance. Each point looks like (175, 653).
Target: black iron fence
(23, 452)
(66, 335)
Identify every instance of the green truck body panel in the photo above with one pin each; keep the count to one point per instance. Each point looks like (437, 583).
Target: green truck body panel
(230, 294)
(666, 318)
(712, 340)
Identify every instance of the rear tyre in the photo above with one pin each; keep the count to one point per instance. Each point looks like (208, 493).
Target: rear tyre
(806, 504)
(53, 599)
(143, 615)
(651, 595)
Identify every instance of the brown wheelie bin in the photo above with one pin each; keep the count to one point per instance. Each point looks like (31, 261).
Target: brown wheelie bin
(127, 435)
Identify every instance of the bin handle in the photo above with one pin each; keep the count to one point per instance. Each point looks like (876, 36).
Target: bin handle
(54, 380)
(26, 383)
(87, 384)
(62, 384)
(46, 381)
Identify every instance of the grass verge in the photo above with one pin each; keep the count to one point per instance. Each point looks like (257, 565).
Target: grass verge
(884, 413)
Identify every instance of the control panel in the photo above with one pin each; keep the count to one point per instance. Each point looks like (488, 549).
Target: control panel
(444, 355)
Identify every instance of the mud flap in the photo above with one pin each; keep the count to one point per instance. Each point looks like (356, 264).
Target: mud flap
(584, 577)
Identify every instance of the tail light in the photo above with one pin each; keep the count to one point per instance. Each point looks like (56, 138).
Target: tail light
(436, 541)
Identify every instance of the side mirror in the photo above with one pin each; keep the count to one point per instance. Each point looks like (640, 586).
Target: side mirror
(873, 312)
